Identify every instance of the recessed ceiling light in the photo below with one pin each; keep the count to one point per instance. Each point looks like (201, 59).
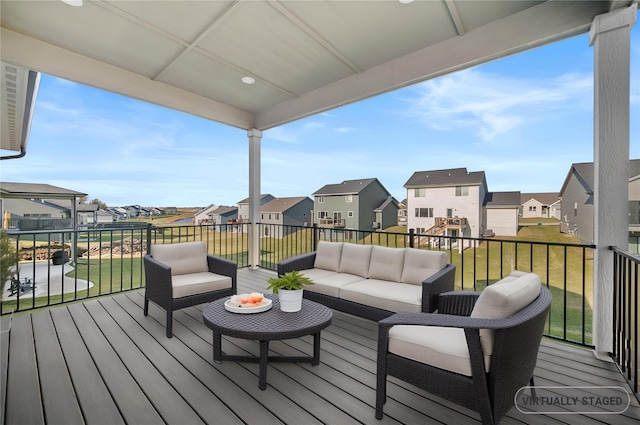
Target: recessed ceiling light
(248, 80)
(76, 3)
(406, 1)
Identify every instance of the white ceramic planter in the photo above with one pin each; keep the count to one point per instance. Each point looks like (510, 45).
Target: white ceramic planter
(290, 300)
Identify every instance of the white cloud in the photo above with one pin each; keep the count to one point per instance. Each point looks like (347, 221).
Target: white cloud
(493, 105)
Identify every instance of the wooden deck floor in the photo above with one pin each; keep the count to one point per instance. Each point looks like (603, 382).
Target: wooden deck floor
(103, 362)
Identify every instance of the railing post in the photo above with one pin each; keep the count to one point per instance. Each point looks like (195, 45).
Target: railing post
(411, 237)
(316, 235)
(148, 238)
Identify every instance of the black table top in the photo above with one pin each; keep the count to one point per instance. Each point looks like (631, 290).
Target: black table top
(273, 324)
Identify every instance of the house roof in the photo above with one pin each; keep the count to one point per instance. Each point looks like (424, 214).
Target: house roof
(347, 187)
(36, 190)
(280, 205)
(222, 210)
(545, 198)
(207, 209)
(264, 195)
(389, 200)
(502, 199)
(448, 177)
(584, 171)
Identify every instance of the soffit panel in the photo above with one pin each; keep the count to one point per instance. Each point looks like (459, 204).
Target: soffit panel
(382, 31)
(200, 74)
(288, 58)
(475, 14)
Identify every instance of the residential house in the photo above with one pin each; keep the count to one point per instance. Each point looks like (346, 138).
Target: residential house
(386, 214)
(107, 215)
(456, 202)
(224, 216)
(501, 210)
(402, 213)
(577, 202)
(352, 204)
(243, 207)
(87, 215)
(205, 215)
(283, 216)
(35, 206)
(446, 202)
(540, 205)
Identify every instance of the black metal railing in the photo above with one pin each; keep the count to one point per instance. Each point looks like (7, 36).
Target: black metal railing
(111, 260)
(625, 316)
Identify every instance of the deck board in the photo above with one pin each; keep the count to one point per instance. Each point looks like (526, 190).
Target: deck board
(103, 361)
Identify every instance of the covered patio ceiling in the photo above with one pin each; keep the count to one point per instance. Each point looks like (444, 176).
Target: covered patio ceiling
(304, 56)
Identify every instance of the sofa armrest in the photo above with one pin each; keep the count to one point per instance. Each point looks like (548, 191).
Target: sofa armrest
(224, 267)
(157, 278)
(300, 262)
(460, 303)
(436, 284)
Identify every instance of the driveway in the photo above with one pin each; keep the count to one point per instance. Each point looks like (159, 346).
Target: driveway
(50, 279)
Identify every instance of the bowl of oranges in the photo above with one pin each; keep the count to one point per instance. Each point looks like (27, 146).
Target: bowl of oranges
(248, 303)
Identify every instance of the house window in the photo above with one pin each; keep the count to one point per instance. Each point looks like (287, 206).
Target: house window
(276, 216)
(462, 190)
(424, 212)
(348, 198)
(349, 214)
(449, 212)
(532, 207)
(262, 216)
(320, 199)
(323, 214)
(420, 192)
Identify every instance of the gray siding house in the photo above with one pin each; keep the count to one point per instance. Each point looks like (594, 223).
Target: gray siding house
(577, 201)
(501, 211)
(282, 216)
(352, 204)
(538, 205)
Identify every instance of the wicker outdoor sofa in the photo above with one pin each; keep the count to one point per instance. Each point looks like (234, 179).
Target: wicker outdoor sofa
(372, 281)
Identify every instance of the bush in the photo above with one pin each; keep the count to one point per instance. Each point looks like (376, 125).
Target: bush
(8, 258)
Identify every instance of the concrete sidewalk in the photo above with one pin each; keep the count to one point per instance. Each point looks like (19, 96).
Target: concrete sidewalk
(49, 279)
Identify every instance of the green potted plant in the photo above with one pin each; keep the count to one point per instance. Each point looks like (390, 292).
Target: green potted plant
(289, 289)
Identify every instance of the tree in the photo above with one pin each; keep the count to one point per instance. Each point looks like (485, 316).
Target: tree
(8, 258)
(99, 203)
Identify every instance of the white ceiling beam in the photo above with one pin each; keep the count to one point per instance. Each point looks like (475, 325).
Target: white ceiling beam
(554, 21)
(48, 59)
(455, 16)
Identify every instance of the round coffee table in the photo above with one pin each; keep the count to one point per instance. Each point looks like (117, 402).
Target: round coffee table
(266, 326)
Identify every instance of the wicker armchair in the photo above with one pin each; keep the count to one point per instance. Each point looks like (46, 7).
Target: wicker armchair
(183, 275)
(478, 350)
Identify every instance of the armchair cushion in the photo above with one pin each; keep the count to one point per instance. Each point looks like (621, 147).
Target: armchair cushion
(444, 348)
(502, 299)
(386, 263)
(198, 283)
(419, 263)
(328, 255)
(183, 258)
(356, 259)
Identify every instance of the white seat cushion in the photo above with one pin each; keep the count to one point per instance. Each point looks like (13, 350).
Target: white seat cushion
(502, 299)
(198, 283)
(329, 283)
(419, 264)
(356, 259)
(183, 258)
(328, 256)
(444, 348)
(384, 294)
(386, 263)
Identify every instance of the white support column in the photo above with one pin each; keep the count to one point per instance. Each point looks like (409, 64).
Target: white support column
(255, 136)
(610, 37)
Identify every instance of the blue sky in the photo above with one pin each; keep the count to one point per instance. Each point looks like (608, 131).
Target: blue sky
(523, 120)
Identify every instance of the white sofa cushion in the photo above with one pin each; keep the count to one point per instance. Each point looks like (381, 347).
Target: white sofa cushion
(502, 299)
(198, 283)
(419, 264)
(328, 282)
(444, 348)
(328, 255)
(183, 258)
(384, 294)
(356, 259)
(386, 263)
